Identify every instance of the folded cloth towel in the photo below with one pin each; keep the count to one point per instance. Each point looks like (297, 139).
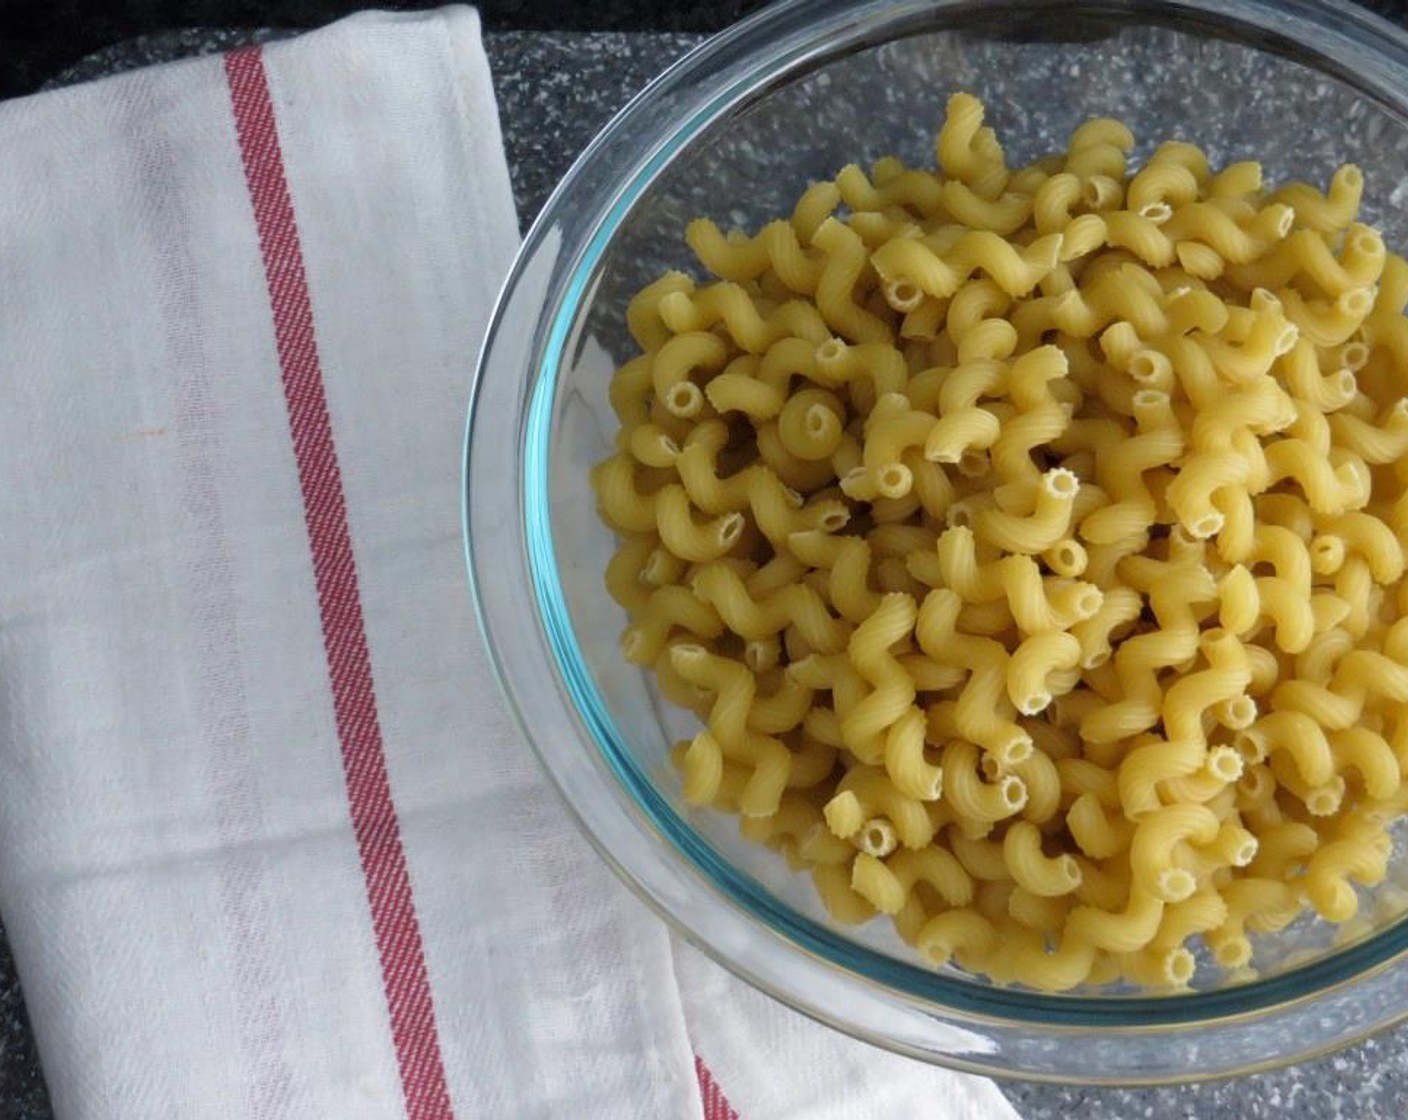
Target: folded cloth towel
(269, 846)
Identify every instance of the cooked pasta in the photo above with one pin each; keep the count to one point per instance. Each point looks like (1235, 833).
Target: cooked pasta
(1031, 545)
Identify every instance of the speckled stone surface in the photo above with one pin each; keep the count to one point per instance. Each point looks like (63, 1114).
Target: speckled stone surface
(146, 50)
(555, 90)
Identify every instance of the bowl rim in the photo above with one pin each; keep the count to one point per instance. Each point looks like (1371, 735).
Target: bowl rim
(769, 40)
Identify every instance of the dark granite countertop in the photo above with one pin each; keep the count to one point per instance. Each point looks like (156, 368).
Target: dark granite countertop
(555, 90)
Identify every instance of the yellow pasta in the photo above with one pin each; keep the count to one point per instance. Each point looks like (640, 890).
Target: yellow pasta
(865, 794)
(939, 275)
(667, 610)
(1360, 855)
(1096, 831)
(1328, 212)
(980, 712)
(1328, 322)
(757, 619)
(892, 689)
(1121, 465)
(1034, 871)
(893, 427)
(738, 390)
(1030, 543)
(809, 424)
(1039, 530)
(1032, 665)
(845, 261)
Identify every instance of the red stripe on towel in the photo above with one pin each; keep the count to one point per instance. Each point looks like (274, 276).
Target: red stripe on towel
(374, 823)
(716, 1106)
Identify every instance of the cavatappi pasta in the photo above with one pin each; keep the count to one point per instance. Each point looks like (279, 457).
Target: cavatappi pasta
(1031, 544)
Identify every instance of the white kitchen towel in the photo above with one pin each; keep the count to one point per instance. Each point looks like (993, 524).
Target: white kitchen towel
(269, 847)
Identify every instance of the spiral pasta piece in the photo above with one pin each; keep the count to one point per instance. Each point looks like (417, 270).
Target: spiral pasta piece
(1015, 271)
(892, 689)
(739, 258)
(796, 605)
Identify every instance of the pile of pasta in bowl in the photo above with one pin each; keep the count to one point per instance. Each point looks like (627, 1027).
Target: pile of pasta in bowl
(1029, 543)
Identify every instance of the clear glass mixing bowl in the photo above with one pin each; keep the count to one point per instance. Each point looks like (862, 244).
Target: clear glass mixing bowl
(735, 132)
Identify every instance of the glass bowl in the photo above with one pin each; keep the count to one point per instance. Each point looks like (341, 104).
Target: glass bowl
(735, 132)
